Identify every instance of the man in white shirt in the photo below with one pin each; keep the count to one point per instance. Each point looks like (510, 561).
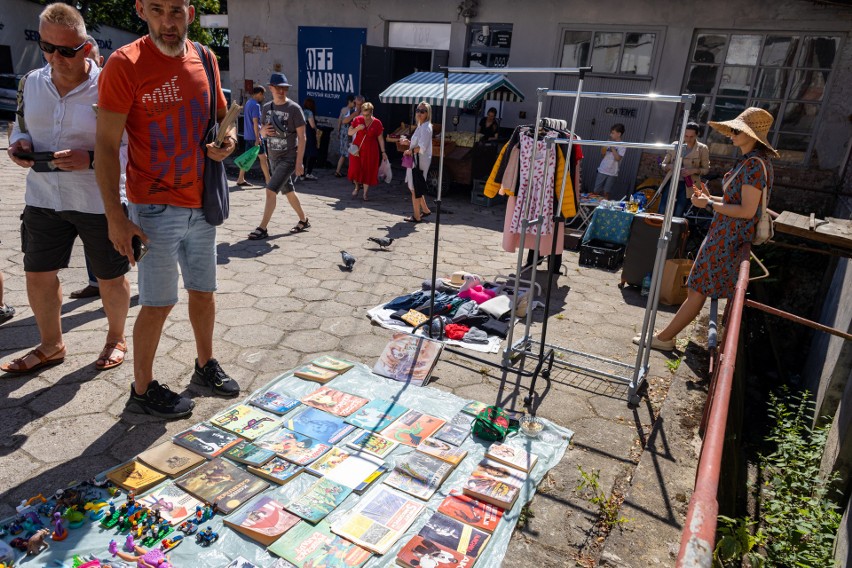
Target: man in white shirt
(608, 168)
(62, 197)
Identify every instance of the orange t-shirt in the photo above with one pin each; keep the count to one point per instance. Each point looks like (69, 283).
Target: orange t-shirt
(167, 103)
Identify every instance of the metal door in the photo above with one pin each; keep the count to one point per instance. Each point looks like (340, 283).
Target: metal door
(596, 117)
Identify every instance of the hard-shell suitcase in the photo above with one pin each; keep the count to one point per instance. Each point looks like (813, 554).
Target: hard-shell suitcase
(642, 245)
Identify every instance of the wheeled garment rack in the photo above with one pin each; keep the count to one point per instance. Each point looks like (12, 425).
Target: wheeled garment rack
(547, 355)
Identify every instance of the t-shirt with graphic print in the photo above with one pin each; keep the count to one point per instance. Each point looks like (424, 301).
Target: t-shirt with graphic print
(287, 118)
(167, 103)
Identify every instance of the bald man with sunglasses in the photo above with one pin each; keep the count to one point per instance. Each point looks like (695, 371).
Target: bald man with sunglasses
(55, 117)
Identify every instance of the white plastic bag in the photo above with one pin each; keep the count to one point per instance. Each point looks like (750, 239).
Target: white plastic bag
(385, 172)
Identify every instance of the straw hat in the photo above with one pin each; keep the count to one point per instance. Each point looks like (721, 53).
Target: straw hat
(753, 122)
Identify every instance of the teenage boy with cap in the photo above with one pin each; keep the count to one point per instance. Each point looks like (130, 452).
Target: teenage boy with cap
(284, 131)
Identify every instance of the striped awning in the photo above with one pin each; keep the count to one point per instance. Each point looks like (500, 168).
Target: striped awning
(464, 90)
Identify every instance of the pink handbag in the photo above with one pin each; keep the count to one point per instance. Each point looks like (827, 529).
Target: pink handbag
(407, 161)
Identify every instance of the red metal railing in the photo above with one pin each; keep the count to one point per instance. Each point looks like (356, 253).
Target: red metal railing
(699, 533)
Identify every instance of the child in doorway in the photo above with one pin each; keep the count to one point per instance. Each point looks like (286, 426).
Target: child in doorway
(608, 168)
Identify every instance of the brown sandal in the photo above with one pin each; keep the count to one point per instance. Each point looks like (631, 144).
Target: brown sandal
(43, 362)
(108, 356)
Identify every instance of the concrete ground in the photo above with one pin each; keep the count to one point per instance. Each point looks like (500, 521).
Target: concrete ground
(284, 300)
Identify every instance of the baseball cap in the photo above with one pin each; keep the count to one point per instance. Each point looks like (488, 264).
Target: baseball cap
(278, 80)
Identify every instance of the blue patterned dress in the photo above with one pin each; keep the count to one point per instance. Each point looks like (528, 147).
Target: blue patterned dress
(717, 264)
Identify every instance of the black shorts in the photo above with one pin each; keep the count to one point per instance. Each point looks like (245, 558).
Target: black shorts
(47, 238)
(281, 180)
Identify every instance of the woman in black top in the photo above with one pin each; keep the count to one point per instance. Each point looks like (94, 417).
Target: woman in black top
(488, 126)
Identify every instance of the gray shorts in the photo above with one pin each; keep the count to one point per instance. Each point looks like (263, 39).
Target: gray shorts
(281, 179)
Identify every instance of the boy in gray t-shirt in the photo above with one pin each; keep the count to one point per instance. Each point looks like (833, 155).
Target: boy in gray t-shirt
(284, 133)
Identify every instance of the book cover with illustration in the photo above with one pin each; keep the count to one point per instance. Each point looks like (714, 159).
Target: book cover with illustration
(175, 504)
(379, 519)
(420, 552)
(246, 422)
(317, 374)
(319, 500)
(223, 484)
(320, 425)
(456, 431)
(495, 483)
(512, 456)
(171, 459)
(454, 535)
(135, 476)
(292, 446)
(278, 470)
(474, 407)
(274, 402)
(263, 520)
(419, 475)
(333, 364)
(373, 444)
(471, 511)
(205, 440)
(332, 400)
(412, 428)
(409, 359)
(249, 454)
(442, 450)
(315, 546)
(376, 415)
(354, 470)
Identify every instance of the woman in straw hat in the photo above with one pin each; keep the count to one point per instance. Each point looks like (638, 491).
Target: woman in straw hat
(735, 217)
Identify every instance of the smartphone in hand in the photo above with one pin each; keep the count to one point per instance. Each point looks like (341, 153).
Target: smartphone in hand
(139, 248)
(36, 156)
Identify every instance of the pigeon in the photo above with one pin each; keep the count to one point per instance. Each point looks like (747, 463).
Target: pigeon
(348, 259)
(381, 241)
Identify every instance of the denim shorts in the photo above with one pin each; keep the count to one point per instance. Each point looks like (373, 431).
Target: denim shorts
(176, 236)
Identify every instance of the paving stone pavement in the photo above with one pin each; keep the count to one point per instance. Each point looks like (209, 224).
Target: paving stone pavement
(285, 300)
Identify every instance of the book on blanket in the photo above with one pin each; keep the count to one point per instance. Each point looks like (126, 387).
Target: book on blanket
(419, 475)
(308, 545)
(373, 444)
(292, 446)
(354, 470)
(175, 504)
(278, 470)
(246, 422)
(378, 520)
(419, 552)
(274, 402)
(263, 520)
(319, 500)
(333, 363)
(455, 431)
(171, 459)
(442, 450)
(471, 511)
(454, 535)
(495, 483)
(223, 484)
(409, 359)
(205, 440)
(314, 373)
(249, 454)
(512, 456)
(376, 415)
(332, 400)
(135, 476)
(412, 428)
(320, 425)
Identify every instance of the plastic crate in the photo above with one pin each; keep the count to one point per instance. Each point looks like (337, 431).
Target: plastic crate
(600, 254)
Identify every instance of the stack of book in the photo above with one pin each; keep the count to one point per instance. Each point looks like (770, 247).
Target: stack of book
(323, 369)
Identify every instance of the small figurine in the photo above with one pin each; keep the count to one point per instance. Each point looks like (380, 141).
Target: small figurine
(36, 543)
(170, 543)
(19, 543)
(154, 558)
(206, 537)
(113, 547)
(208, 512)
(59, 532)
(111, 507)
(129, 543)
(15, 527)
(74, 517)
(96, 509)
(188, 528)
(199, 515)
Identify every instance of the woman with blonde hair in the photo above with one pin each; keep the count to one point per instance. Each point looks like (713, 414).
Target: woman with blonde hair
(366, 132)
(421, 150)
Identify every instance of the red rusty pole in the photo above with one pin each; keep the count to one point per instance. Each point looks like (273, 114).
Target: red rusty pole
(699, 534)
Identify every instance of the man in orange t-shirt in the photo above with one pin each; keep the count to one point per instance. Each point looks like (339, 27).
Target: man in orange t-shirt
(157, 89)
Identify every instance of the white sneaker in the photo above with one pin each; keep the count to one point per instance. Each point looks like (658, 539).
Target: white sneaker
(657, 343)
(311, 177)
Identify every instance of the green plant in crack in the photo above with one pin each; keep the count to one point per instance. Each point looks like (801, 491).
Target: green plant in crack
(524, 516)
(608, 506)
(735, 543)
(673, 364)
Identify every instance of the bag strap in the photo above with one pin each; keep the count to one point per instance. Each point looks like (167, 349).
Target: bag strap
(19, 110)
(203, 53)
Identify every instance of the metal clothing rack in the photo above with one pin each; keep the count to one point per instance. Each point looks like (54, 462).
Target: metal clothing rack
(515, 354)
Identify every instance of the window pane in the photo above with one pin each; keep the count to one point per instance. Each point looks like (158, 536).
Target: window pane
(800, 117)
(709, 48)
(605, 52)
(727, 108)
(700, 110)
(809, 85)
(795, 142)
(735, 81)
(638, 50)
(575, 49)
(702, 79)
(818, 52)
(743, 49)
(772, 83)
(779, 51)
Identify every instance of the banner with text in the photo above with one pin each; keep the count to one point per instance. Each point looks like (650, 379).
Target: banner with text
(330, 66)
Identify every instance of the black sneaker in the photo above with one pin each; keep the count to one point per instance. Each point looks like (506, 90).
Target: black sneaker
(214, 377)
(160, 401)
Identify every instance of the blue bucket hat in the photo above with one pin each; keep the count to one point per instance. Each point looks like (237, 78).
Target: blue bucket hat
(278, 80)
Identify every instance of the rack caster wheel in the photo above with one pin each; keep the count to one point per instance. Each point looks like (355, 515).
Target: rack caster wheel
(634, 400)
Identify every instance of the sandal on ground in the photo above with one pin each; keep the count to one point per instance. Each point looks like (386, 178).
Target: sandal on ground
(112, 355)
(19, 367)
(259, 233)
(301, 226)
(6, 313)
(355, 191)
(412, 220)
(338, 175)
(244, 183)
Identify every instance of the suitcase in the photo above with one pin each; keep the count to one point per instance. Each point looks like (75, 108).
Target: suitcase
(601, 254)
(642, 245)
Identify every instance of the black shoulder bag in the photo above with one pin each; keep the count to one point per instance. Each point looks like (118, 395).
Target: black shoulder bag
(215, 199)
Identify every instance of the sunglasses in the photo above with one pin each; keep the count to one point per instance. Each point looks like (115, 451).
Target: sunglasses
(64, 51)
(421, 110)
(734, 131)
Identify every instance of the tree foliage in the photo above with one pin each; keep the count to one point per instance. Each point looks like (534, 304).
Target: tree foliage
(121, 14)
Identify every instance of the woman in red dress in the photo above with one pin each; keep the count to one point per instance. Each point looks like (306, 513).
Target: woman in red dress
(366, 132)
